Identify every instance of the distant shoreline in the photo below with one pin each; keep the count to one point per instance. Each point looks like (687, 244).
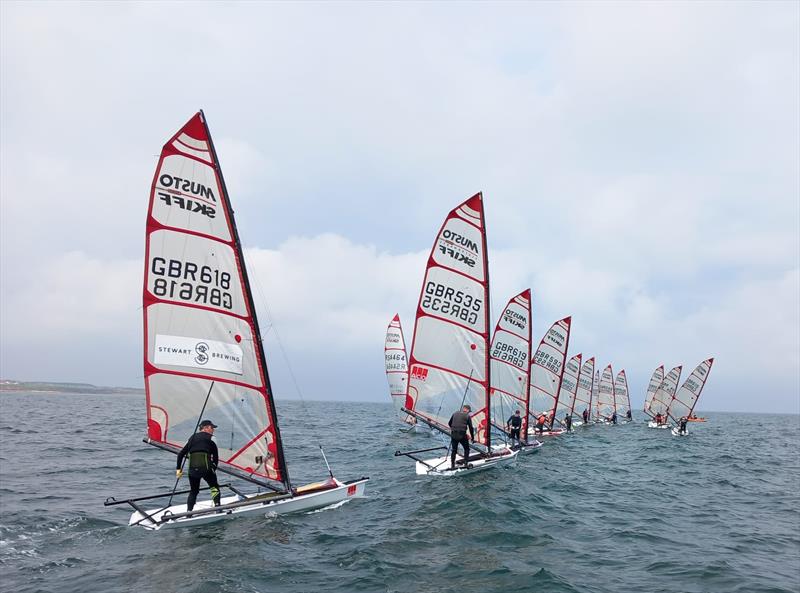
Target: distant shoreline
(9, 386)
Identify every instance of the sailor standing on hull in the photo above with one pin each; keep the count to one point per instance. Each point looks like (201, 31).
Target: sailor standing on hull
(459, 423)
(203, 460)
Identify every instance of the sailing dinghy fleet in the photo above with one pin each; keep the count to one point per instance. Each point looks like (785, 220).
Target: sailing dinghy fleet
(452, 364)
(204, 357)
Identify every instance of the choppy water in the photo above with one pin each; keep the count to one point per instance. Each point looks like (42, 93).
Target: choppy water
(607, 509)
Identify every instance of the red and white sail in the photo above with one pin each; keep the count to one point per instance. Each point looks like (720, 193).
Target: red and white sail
(199, 319)
(655, 380)
(510, 357)
(583, 395)
(606, 403)
(595, 391)
(666, 390)
(547, 369)
(686, 397)
(394, 352)
(622, 397)
(449, 358)
(569, 389)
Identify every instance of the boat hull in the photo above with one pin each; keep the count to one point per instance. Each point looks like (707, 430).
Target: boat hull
(653, 424)
(262, 506)
(677, 433)
(440, 466)
(548, 433)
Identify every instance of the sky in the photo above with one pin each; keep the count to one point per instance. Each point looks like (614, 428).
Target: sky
(639, 164)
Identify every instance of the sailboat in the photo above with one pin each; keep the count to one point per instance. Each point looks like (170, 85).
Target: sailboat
(583, 395)
(685, 399)
(622, 398)
(397, 373)
(606, 402)
(203, 354)
(547, 370)
(595, 393)
(568, 391)
(509, 358)
(655, 380)
(663, 397)
(449, 358)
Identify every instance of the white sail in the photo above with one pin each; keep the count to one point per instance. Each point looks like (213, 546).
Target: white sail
(583, 395)
(663, 395)
(606, 404)
(547, 369)
(652, 386)
(397, 368)
(449, 358)
(595, 399)
(510, 361)
(199, 320)
(686, 397)
(622, 397)
(569, 389)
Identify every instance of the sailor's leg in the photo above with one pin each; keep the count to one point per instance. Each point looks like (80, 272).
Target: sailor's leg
(211, 479)
(453, 452)
(465, 444)
(194, 484)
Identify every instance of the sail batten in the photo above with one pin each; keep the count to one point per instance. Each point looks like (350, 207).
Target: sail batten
(199, 318)
(449, 356)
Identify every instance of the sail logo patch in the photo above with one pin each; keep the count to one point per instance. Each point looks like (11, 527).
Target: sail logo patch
(419, 373)
(198, 354)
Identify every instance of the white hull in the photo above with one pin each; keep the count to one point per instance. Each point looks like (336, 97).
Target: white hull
(417, 429)
(262, 507)
(677, 433)
(547, 433)
(524, 449)
(652, 424)
(440, 466)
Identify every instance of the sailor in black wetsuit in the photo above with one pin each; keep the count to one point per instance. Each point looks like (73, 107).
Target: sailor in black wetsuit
(614, 418)
(568, 421)
(459, 423)
(203, 460)
(513, 425)
(586, 415)
(629, 415)
(682, 429)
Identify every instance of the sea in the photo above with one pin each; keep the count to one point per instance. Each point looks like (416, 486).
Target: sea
(606, 509)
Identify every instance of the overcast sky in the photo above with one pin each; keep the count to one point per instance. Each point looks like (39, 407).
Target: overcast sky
(639, 163)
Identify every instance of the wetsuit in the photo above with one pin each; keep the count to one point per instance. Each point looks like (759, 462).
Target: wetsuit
(586, 416)
(629, 415)
(682, 429)
(515, 422)
(614, 418)
(459, 423)
(203, 459)
(568, 421)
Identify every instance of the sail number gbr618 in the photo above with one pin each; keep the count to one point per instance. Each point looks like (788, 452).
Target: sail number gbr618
(186, 281)
(446, 300)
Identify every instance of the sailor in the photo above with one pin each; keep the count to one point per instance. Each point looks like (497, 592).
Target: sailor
(203, 460)
(540, 423)
(614, 418)
(568, 421)
(628, 415)
(659, 418)
(513, 426)
(586, 415)
(459, 423)
(682, 429)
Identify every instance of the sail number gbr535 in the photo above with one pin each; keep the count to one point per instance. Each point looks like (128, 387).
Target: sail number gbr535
(186, 281)
(448, 301)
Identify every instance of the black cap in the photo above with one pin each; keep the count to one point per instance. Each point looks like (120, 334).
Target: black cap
(205, 423)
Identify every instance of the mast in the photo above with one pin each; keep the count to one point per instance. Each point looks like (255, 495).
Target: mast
(262, 358)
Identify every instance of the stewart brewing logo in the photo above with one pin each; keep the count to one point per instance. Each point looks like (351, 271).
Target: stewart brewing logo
(206, 354)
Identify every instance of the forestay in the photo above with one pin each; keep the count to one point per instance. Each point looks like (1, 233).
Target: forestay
(510, 356)
(449, 362)
(652, 386)
(569, 389)
(605, 395)
(547, 369)
(686, 397)
(663, 395)
(583, 395)
(397, 367)
(199, 322)
(622, 397)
